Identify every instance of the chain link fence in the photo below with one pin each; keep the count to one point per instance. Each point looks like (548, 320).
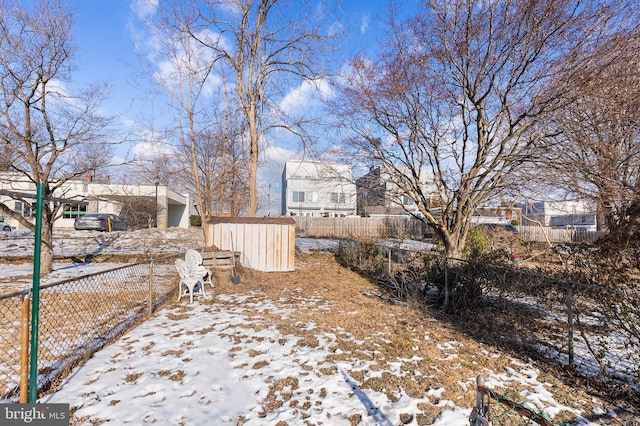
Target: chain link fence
(494, 409)
(11, 313)
(76, 318)
(591, 328)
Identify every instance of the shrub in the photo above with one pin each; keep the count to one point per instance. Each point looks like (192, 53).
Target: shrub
(476, 243)
(195, 220)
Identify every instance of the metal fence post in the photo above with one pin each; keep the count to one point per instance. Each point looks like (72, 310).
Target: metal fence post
(446, 283)
(570, 319)
(480, 411)
(150, 298)
(24, 349)
(33, 364)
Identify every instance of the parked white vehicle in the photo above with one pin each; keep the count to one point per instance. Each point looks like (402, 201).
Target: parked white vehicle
(4, 226)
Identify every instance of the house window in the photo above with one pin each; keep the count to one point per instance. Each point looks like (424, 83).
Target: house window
(23, 209)
(71, 211)
(407, 201)
(298, 197)
(337, 198)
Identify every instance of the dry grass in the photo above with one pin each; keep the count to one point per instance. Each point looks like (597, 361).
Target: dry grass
(321, 297)
(335, 300)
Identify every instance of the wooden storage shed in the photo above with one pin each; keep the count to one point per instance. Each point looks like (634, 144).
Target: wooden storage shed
(266, 244)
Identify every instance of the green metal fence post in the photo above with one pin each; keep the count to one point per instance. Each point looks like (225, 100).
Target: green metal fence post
(33, 370)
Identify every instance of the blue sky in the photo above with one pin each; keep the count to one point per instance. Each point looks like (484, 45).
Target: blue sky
(105, 31)
(105, 48)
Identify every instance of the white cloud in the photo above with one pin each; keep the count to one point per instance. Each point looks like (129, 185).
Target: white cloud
(270, 178)
(58, 93)
(141, 16)
(302, 96)
(152, 147)
(127, 122)
(190, 60)
(364, 24)
(231, 8)
(144, 8)
(273, 163)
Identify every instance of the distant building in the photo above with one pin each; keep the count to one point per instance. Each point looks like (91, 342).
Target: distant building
(496, 215)
(380, 195)
(95, 197)
(560, 214)
(317, 188)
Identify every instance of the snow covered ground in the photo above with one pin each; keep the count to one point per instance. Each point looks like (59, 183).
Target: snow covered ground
(83, 244)
(217, 362)
(80, 243)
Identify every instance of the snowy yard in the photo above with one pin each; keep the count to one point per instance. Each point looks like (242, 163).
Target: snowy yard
(314, 346)
(225, 359)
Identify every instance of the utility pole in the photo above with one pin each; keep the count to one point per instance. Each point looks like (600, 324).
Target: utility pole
(157, 183)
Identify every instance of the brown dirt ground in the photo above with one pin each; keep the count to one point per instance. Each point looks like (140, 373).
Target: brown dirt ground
(389, 332)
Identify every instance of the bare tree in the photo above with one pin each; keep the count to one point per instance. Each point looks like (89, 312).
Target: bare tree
(267, 45)
(462, 90)
(183, 76)
(42, 124)
(92, 156)
(598, 151)
(7, 156)
(221, 164)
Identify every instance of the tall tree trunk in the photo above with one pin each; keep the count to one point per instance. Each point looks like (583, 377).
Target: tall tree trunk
(46, 246)
(253, 162)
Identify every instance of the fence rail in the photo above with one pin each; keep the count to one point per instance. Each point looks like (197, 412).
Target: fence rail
(360, 227)
(369, 228)
(76, 318)
(557, 235)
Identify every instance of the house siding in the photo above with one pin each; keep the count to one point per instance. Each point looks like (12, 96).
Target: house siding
(320, 189)
(173, 210)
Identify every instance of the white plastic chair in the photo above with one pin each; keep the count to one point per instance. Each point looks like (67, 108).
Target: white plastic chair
(194, 260)
(188, 281)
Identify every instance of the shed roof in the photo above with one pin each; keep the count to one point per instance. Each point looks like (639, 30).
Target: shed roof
(252, 220)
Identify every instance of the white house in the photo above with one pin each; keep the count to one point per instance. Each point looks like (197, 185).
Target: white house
(380, 195)
(561, 214)
(316, 188)
(94, 197)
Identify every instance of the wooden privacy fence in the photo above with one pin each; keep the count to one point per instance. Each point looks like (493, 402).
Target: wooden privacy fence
(366, 228)
(361, 228)
(557, 235)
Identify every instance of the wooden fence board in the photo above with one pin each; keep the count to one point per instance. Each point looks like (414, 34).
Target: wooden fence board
(363, 228)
